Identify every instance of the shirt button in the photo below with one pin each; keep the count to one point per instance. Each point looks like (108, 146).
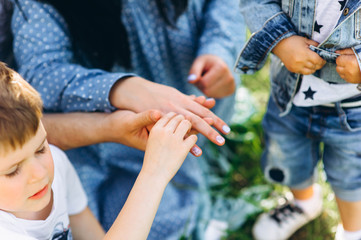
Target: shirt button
(245, 69)
(329, 45)
(345, 11)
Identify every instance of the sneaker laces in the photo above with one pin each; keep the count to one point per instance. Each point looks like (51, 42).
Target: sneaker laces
(284, 212)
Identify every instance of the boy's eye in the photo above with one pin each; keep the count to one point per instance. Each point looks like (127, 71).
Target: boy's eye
(13, 173)
(41, 150)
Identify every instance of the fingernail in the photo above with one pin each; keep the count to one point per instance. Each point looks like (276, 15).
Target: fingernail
(209, 99)
(196, 151)
(191, 77)
(226, 129)
(220, 139)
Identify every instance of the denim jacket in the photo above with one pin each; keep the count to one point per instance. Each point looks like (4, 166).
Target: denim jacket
(272, 21)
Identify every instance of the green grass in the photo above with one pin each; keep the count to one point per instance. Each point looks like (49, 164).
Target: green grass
(243, 150)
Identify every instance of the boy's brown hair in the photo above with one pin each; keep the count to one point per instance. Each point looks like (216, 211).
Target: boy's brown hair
(20, 110)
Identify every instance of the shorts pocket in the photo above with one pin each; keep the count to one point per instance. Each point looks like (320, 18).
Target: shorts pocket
(351, 120)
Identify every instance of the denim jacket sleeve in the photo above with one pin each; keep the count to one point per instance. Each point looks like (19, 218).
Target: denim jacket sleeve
(44, 56)
(269, 25)
(222, 30)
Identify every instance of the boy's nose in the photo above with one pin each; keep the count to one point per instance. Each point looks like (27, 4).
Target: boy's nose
(38, 171)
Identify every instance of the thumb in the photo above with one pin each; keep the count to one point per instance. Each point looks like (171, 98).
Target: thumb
(347, 51)
(146, 118)
(196, 70)
(311, 42)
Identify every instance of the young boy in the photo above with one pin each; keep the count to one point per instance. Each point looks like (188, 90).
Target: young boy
(314, 100)
(41, 196)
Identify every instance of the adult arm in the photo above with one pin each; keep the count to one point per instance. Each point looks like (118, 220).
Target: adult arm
(45, 58)
(269, 25)
(71, 130)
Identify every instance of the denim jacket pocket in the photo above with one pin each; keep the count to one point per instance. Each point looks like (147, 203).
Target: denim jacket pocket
(287, 7)
(358, 25)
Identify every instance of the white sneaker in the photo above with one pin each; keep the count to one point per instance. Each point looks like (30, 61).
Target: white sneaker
(282, 222)
(339, 232)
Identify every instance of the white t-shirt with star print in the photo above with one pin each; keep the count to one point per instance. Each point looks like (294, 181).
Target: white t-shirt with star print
(313, 90)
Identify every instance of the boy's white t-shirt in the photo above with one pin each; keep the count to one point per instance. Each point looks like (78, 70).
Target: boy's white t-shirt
(69, 198)
(313, 90)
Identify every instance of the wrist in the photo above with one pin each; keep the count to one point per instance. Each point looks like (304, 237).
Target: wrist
(155, 177)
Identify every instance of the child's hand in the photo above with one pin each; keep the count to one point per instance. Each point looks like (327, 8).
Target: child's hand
(297, 57)
(347, 66)
(167, 146)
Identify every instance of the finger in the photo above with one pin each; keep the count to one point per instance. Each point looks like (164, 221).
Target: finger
(174, 123)
(307, 71)
(319, 66)
(165, 119)
(193, 97)
(210, 77)
(209, 103)
(197, 111)
(315, 59)
(190, 142)
(202, 127)
(311, 42)
(341, 71)
(347, 51)
(209, 121)
(196, 151)
(347, 60)
(146, 118)
(200, 99)
(193, 131)
(196, 70)
(205, 102)
(183, 128)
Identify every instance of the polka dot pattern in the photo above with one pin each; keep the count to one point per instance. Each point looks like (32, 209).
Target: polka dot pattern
(159, 53)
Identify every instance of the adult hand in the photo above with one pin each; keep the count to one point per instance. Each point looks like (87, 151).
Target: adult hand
(295, 54)
(72, 130)
(132, 129)
(212, 76)
(137, 94)
(347, 66)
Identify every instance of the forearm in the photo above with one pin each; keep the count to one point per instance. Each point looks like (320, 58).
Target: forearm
(85, 226)
(136, 217)
(72, 130)
(46, 60)
(222, 30)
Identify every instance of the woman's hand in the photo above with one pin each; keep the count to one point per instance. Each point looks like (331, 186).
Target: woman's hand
(138, 94)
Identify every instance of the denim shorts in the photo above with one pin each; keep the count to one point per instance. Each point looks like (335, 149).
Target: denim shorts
(293, 147)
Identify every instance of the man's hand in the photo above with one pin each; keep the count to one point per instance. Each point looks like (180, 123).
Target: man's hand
(212, 76)
(295, 54)
(347, 66)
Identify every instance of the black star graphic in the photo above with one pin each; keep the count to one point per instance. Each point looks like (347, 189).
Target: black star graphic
(317, 27)
(342, 3)
(309, 93)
